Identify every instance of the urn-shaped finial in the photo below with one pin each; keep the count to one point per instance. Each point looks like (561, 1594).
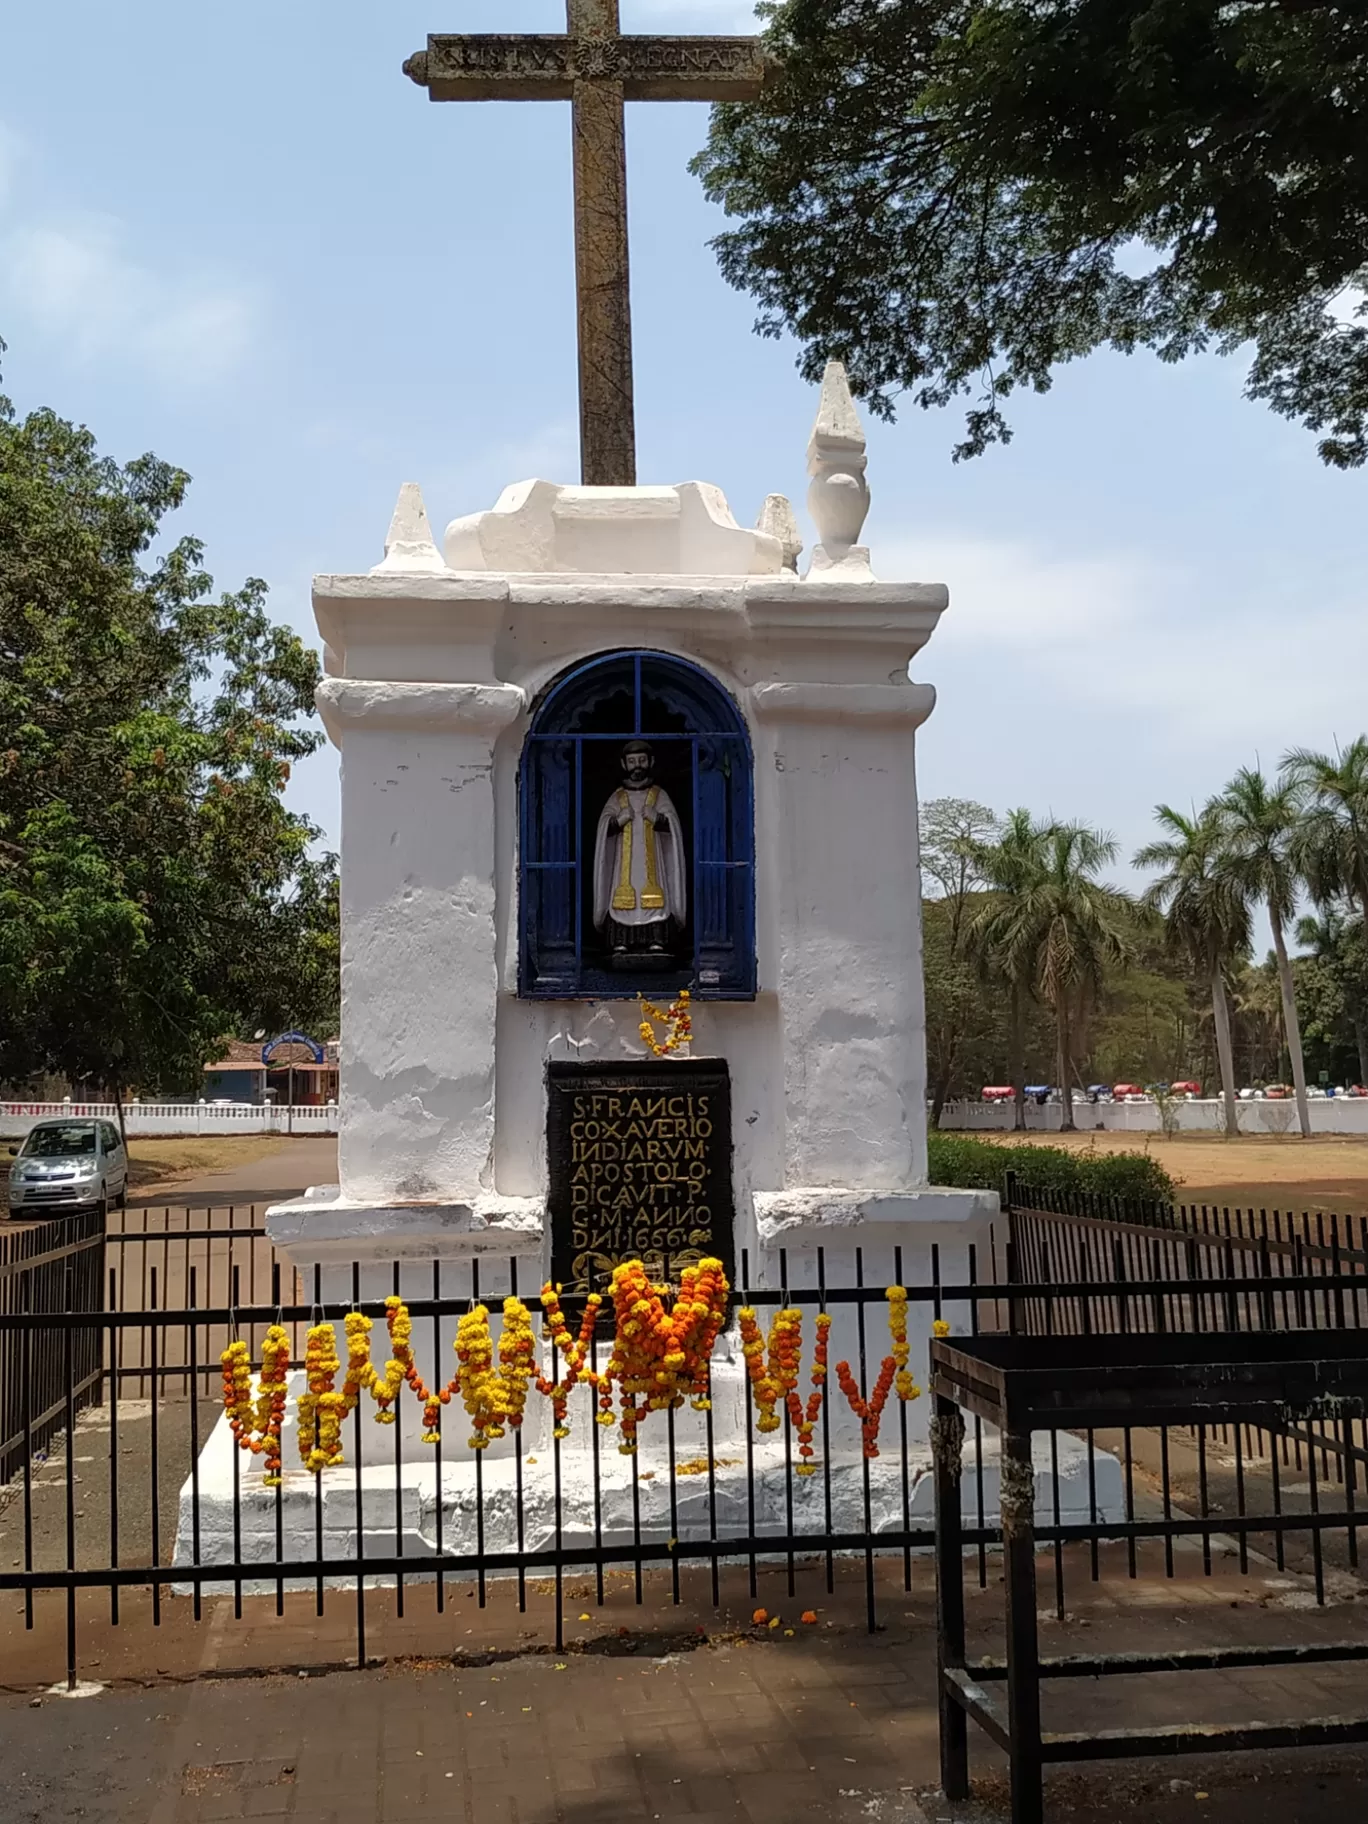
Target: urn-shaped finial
(409, 544)
(778, 519)
(839, 496)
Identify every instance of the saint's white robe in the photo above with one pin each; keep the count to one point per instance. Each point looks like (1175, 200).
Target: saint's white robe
(670, 870)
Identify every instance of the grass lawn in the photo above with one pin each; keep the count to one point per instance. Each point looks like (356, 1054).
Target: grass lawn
(1255, 1171)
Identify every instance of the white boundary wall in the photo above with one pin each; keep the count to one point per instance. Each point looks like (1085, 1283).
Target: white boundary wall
(1329, 1115)
(146, 1119)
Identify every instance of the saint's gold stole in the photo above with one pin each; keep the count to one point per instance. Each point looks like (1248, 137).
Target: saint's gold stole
(624, 894)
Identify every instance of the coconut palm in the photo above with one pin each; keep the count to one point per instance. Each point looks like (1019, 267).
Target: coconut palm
(1331, 847)
(1083, 928)
(1058, 928)
(1262, 825)
(1206, 915)
(1006, 867)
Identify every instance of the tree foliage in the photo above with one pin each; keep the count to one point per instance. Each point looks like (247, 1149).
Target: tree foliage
(957, 196)
(155, 893)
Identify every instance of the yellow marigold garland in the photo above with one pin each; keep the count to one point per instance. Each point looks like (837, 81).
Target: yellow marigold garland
(322, 1408)
(676, 1018)
(264, 1414)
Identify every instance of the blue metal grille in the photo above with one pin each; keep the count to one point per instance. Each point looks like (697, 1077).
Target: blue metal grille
(569, 767)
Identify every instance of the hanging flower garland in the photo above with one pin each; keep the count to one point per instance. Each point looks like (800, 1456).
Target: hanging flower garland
(676, 1018)
(256, 1423)
(893, 1371)
(661, 1358)
(804, 1419)
(495, 1398)
(772, 1380)
(573, 1352)
(322, 1408)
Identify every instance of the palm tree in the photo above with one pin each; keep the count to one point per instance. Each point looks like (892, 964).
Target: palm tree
(1331, 847)
(1006, 867)
(1082, 929)
(1058, 928)
(1205, 914)
(1261, 826)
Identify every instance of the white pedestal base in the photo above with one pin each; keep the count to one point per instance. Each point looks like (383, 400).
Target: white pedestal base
(309, 1516)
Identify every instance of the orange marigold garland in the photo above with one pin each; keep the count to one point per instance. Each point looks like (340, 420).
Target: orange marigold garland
(805, 1419)
(264, 1414)
(893, 1371)
(772, 1381)
(661, 1358)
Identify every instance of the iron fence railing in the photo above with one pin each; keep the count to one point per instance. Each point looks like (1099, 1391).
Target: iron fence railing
(46, 1373)
(167, 1504)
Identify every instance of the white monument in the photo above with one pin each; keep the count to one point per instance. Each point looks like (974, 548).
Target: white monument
(483, 699)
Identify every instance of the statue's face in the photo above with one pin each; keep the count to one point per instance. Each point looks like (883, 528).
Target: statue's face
(636, 767)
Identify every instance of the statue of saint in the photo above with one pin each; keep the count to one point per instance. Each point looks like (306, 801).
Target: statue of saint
(640, 892)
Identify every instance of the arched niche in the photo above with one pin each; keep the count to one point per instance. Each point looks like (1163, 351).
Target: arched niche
(571, 767)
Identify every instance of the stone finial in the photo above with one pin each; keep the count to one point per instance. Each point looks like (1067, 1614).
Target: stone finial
(839, 496)
(409, 544)
(778, 519)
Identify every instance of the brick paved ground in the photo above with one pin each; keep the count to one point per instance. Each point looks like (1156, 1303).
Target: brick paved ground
(650, 1712)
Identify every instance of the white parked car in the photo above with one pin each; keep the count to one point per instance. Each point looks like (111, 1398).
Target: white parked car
(68, 1165)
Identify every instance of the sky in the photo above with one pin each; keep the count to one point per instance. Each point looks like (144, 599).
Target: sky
(240, 237)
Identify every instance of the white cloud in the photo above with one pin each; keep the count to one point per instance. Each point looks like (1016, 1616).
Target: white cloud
(1174, 663)
(79, 283)
(1015, 595)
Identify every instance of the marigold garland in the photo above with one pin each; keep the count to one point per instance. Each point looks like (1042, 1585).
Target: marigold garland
(677, 1019)
(322, 1408)
(893, 1372)
(661, 1358)
(573, 1351)
(774, 1379)
(264, 1414)
(804, 1419)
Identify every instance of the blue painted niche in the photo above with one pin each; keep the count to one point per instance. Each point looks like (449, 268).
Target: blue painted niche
(570, 764)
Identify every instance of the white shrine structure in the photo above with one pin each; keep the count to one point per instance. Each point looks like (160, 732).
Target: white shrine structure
(437, 661)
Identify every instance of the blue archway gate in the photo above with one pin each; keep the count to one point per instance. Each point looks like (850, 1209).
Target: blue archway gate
(569, 767)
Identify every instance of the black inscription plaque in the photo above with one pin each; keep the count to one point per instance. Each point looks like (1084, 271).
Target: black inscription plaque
(640, 1159)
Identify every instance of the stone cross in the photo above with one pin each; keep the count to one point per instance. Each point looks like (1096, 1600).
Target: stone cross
(597, 68)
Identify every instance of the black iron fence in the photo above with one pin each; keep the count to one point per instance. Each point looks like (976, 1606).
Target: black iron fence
(47, 1373)
(1188, 1267)
(155, 1256)
(166, 1504)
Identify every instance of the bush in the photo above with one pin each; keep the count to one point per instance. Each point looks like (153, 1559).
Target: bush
(970, 1164)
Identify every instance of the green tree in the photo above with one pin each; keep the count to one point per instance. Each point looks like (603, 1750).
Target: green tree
(1077, 929)
(1261, 823)
(1012, 864)
(1332, 990)
(1206, 915)
(953, 834)
(155, 893)
(1331, 849)
(957, 196)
